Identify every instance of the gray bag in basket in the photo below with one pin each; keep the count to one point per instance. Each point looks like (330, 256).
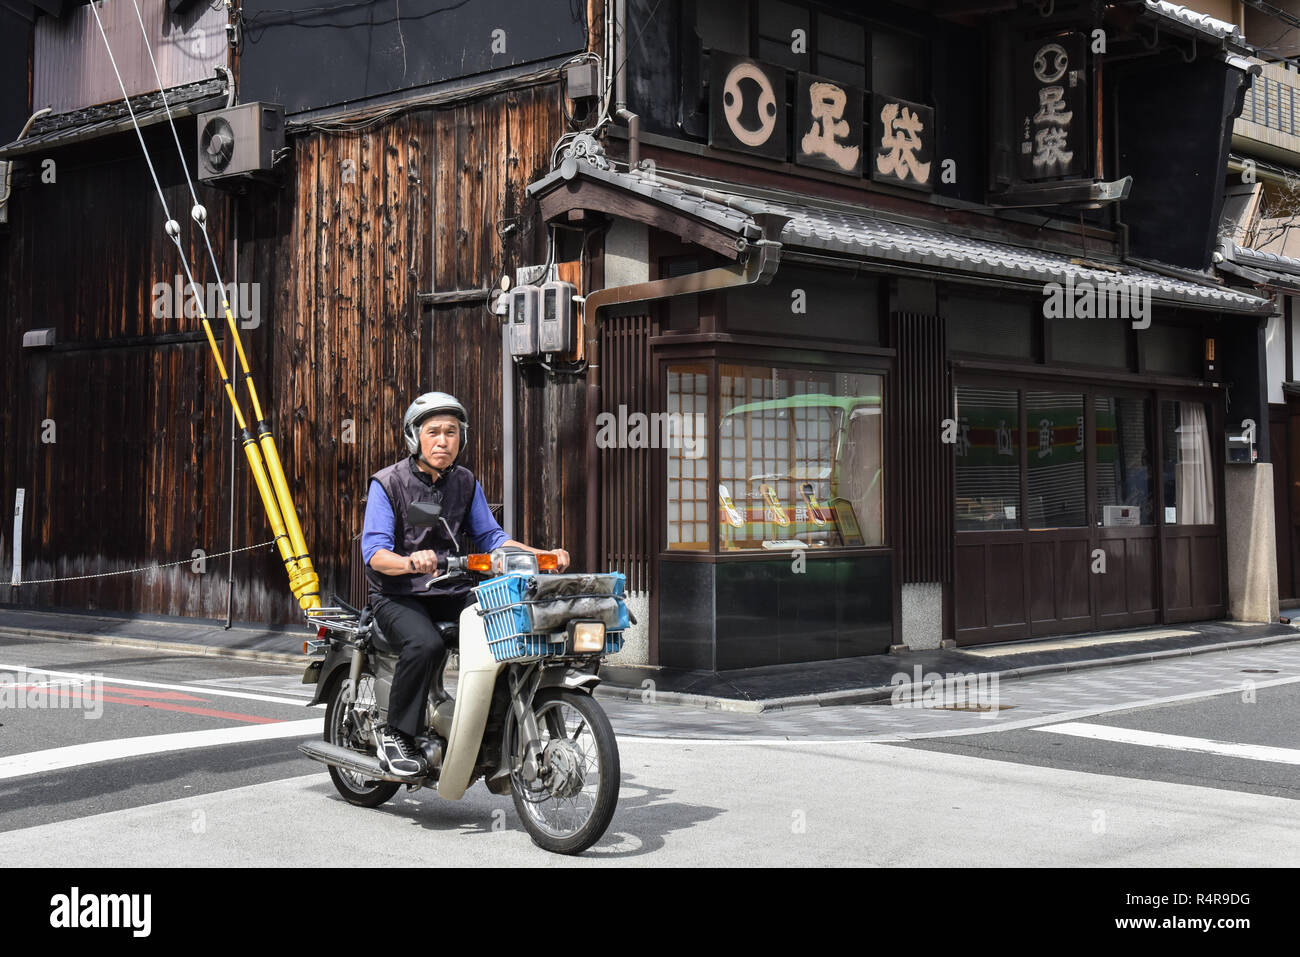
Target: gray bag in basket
(553, 600)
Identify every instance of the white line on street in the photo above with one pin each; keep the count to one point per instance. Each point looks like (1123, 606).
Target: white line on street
(192, 688)
(895, 736)
(745, 740)
(1178, 742)
(55, 759)
(999, 724)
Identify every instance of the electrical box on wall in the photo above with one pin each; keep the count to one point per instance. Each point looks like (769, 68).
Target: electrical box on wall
(556, 332)
(525, 304)
(1241, 446)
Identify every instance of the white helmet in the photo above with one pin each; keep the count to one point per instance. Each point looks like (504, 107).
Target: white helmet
(432, 403)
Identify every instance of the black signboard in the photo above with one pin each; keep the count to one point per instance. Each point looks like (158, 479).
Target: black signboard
(902, 142)
(747, 110)
(1052, 107)
(828, 131)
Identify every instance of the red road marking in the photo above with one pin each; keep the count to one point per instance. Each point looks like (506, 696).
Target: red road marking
(157, 695)
(160, 705)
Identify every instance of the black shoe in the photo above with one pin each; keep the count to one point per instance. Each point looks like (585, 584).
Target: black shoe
(398, 753)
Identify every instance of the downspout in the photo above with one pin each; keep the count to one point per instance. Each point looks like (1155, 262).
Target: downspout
(7, 168)
(764, 255)
(507, 433)
(620, 85)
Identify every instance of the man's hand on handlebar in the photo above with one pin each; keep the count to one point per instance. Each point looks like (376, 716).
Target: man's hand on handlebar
(561, 559)
(425, 562)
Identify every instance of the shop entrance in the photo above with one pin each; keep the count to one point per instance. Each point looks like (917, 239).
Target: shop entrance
(1084, 507)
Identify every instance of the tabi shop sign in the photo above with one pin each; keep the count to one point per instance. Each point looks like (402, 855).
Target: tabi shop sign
(1052, 108)
(837, 127)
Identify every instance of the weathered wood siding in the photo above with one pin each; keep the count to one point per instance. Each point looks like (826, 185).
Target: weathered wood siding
(140, 470)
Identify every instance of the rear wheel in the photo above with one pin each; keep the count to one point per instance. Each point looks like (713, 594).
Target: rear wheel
(349, 719)
(570, 804)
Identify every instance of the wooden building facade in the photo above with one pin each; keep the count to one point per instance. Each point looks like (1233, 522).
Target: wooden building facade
(816, 246)
(363, 270)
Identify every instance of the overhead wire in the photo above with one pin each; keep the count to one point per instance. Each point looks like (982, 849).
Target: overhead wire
(272, 488)
(302, 577)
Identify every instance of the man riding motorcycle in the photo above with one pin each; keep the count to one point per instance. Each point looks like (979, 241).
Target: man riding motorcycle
(401, 559)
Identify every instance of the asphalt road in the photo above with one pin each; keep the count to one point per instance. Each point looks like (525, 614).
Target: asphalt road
(1186, 763)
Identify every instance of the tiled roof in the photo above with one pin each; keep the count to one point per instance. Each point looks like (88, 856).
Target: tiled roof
(817, 227)
(63, 129)
(1260, 268)
(1257, 257)
(1219, 29)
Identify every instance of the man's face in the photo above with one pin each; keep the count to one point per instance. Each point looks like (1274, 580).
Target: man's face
(440, 440)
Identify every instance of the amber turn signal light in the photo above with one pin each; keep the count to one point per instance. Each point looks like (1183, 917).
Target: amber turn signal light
(479, 563)
(546, 563)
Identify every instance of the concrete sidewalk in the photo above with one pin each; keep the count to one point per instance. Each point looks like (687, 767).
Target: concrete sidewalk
(821, 683)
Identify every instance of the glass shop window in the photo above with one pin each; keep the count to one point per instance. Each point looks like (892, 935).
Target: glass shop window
(1056, 460)
(1126, 488)
(1188, 467)
(683, 434)
(800, 458)
(988, 459)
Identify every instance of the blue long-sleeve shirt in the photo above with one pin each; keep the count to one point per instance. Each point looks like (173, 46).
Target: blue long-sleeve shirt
(377, 532)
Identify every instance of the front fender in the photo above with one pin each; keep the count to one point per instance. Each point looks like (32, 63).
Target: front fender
(338, 657)
(571, 679)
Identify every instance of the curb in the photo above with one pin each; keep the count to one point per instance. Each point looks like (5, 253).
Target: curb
(198, 651)
(847, 696)
(878, 693)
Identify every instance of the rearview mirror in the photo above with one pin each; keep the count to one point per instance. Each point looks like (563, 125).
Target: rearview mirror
(423, 513)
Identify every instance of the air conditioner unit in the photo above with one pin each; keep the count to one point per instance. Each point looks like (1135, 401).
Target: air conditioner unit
(240, 142)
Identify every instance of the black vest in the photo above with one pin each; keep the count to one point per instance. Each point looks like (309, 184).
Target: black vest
(405, 483)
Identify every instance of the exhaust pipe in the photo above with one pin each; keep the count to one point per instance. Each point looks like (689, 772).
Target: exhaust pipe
(332, 754)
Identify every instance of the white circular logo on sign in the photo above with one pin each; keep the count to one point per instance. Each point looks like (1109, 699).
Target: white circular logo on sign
(733, 102)
(1060, 60)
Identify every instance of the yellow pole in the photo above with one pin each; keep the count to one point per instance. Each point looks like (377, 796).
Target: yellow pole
(303, 581)
(283, 541)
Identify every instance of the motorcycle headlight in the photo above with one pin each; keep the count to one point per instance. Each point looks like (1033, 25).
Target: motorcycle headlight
(509, 561)
(586, 637)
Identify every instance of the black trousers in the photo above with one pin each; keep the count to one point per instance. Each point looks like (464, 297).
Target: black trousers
(408, 624)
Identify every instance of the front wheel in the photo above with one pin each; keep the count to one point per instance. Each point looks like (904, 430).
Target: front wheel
(348, 722)
(570, 804)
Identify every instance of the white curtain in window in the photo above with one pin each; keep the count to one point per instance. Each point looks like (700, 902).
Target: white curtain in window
(1194, 481)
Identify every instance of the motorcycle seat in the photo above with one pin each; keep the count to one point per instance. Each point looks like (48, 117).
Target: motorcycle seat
(450, 636)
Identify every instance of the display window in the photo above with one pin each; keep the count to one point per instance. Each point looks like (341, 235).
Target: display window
(800, 459)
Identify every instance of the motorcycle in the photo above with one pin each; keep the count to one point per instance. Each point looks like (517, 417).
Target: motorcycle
(523, 717)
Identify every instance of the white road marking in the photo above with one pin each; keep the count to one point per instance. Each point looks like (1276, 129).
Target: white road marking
(985, 726)
(221, 692)
(1178, 742)
(56, 759)
(997, 724)
(740, 740)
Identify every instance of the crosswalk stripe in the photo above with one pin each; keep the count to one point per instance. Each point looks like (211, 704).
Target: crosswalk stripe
(1178, 742)
(192, 688)
(56, 759)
